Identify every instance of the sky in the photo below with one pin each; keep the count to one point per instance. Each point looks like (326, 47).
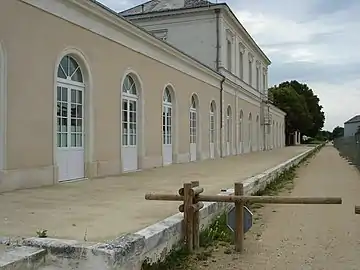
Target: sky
(312, 41)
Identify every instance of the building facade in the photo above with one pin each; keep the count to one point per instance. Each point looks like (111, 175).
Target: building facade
(102, 96)
(212, 34)
(352, 126)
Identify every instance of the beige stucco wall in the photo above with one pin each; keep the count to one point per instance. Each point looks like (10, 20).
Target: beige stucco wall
(31, 95)
(35, 41)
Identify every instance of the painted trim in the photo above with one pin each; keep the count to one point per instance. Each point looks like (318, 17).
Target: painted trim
(83, 63)
(106, 23)
(141, 100)
(3, 107)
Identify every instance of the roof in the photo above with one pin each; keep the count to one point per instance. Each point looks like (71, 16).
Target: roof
(355, 119)
(161, 7)
(165, 44)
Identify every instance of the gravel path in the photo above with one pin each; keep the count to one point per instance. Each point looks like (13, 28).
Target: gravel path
(305, 236)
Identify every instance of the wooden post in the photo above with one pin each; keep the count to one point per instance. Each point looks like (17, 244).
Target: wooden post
(188, 216)
(196, 223)
(239, 216)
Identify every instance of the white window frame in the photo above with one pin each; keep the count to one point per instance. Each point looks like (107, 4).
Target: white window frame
(212, 124)
(166, 119)
(241, 60)
(193, 120)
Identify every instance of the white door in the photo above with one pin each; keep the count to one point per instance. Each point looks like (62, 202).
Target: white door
(129, 135)
(193, 134)
(70, 132)
(129, 129)
(212, 132)
(167, 134)
(70, 120)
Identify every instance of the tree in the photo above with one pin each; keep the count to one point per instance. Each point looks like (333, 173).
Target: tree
(314, 108)
(338, 132)
(297, 113)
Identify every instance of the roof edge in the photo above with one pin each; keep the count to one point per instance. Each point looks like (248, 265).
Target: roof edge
(204, 8)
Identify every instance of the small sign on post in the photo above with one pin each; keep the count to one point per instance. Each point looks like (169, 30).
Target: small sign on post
(248, 219)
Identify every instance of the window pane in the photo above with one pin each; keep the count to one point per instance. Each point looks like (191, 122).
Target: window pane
(77, 76)
(65, 64)
(64, 140)
(73, 140)
(64, 125)
(73, 111)
(124, 116)
(58, 125)
(72, 65)
(79, 140)
(132, 117)
(73, 125)
(79, 98)
(64, 94)
(58, 109)
(58, 93)
(79, 111)
(125, 128)
(125, 105)
(64, 111)
(58, 139)
(78, 125)
(60, 73)
(132, 128)
(132, 105)
(124, 139)
(73, 96)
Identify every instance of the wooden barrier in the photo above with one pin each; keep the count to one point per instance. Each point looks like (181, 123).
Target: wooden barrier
(190, 195)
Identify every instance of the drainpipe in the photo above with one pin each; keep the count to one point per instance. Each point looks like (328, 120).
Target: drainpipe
(221, 115)
(217, 63)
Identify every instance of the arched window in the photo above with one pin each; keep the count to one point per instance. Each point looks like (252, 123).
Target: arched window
(240, 126)
(193, 124)
(250, 130)
(257, 133)
(212, 122)
(130, 122)
(129, 112)
(193, 120)
(167, 117)
(69, 70)
(228, 124)
(70, 89)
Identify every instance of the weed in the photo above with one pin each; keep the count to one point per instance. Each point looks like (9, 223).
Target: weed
(177, 259)
(42, 233)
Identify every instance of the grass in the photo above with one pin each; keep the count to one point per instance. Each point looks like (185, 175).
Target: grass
(218, 233)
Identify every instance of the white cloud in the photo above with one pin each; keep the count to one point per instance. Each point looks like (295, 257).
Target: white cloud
(340, 101)
(328, 40)
(301, 32)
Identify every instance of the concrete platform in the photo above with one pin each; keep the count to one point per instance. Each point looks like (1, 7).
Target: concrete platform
(102, 209)
(20, 257)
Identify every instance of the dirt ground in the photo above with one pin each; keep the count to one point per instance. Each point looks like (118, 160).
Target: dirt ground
(305, 236)
(104, 208)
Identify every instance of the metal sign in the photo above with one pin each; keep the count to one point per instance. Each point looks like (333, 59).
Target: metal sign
(248, 217)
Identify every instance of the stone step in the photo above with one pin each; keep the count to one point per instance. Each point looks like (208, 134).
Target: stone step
(21, 257)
